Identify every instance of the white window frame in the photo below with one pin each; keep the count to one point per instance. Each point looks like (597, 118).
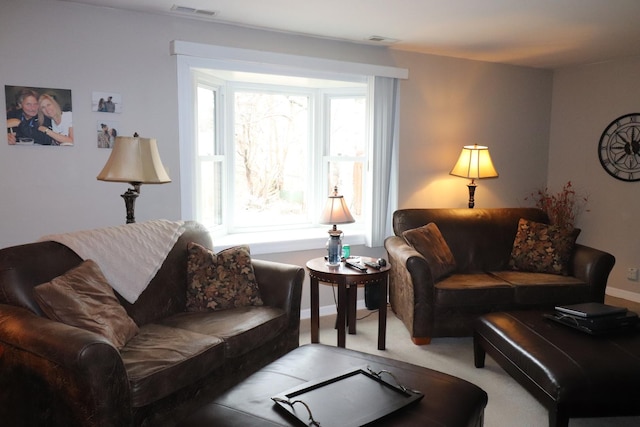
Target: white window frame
(194, 55)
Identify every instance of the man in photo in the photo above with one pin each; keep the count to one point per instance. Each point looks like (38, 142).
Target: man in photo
(110, 106)
(23, 122)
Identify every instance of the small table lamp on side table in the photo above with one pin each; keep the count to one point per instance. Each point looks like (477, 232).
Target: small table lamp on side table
(335, 212)
(347, 280)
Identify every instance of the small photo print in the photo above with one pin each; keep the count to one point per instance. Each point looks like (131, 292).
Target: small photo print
(38, 116)
(106, 133)
(106, 102)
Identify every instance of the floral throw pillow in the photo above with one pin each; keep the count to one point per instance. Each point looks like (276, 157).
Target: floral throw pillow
(220, 281)
(542, 248)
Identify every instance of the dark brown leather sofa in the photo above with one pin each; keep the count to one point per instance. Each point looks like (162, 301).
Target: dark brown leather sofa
(481, 241)
(53, 374)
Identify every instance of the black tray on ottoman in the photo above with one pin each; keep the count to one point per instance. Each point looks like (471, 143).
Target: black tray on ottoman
(448, 401)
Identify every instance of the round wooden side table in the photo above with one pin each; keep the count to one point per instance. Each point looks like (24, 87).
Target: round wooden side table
(347, 280)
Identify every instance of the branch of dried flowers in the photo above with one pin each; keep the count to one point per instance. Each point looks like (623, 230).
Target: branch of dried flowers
(563, 207)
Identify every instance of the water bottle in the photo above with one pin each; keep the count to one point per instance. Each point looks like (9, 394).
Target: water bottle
(334, 249)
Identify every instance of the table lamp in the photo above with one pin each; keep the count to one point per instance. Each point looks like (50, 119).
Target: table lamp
(335, 212)
(475, 163)
(136, 161)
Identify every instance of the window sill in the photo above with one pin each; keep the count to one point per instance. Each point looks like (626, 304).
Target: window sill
(284, 241)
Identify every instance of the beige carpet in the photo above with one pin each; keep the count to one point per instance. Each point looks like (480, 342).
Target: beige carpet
(509, 405)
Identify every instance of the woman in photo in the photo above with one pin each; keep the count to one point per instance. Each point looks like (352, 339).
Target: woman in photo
(61, 130)
(104, 139)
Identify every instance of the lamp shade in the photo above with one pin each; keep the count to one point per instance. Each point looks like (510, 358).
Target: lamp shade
(474, 162)
(336, 210)
(134, 160)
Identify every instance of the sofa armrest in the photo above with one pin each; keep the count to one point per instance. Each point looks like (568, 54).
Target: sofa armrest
(280, 286)
(56, 374)
(593, 266)
(411, 286)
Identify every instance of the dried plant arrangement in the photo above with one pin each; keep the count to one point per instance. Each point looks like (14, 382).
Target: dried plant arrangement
(562, 207)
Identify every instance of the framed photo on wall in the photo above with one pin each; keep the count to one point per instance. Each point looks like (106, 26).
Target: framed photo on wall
(106, 102)
(39, 116)
(107, 131)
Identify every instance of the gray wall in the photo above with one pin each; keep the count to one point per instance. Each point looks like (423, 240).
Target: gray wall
(445, 103)
(585, 100)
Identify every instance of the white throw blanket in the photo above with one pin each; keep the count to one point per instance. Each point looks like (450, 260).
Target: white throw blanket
(128, 255)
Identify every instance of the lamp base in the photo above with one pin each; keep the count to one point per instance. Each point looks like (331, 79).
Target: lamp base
(472, 191)
(130, 197)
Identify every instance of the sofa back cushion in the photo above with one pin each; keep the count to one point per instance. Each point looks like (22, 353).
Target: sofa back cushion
(167, 292)
(480, 239)
(25, 266)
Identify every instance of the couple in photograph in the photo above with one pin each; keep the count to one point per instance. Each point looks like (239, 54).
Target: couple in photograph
(38, 119)
(106, 136)
(107, 106)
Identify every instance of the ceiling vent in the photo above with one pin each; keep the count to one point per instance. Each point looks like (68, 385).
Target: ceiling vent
(192, 11)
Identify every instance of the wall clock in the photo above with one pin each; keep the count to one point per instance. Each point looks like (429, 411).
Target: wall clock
(619, 148)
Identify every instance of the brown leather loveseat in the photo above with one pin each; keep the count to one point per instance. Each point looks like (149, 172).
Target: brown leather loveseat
(482, 281)
(53, 374)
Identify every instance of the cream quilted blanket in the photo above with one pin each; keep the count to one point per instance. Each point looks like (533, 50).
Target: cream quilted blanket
(128, 255)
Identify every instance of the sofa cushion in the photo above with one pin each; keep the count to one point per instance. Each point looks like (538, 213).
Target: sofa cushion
(428, 241)
(161, 360)
(542, 248)
(544, 289)
(220, 281)
(82, 297)
(243, 329)
(524, 278)
(473, 290)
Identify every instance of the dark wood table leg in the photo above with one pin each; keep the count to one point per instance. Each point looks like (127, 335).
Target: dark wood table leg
(315, 311)
(342, 315)
(351, 316)
(382, 314)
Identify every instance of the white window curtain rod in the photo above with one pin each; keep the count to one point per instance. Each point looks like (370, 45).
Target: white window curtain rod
(178, 47)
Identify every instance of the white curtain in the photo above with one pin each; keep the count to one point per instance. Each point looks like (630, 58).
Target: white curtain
(385, 123)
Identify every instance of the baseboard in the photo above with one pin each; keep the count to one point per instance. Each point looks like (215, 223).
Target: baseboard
(328, 310)
(621, 293)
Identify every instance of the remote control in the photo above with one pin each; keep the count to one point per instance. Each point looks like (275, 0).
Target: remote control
(373, 265)
(356, 265)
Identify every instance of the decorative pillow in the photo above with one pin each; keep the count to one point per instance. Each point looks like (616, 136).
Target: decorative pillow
(220, 281)
(82, 297)
(542, 248)
(428, 241)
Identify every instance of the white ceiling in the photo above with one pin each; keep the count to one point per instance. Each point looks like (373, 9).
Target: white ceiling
(536, 33)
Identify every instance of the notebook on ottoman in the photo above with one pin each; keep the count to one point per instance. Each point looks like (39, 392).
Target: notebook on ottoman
(591, 309)
(594, 318)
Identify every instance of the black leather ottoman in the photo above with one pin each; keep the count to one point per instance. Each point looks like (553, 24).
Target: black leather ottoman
(571, 373)
(448, 401)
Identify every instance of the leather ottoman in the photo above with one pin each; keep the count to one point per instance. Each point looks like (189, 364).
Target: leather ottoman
(448, 401)
(572, 373)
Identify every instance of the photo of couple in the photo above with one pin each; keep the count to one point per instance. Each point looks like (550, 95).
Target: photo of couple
(107, 133)
(106, 102)
(41, 116)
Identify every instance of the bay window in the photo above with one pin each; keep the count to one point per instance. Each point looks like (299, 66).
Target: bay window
(262, 146)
